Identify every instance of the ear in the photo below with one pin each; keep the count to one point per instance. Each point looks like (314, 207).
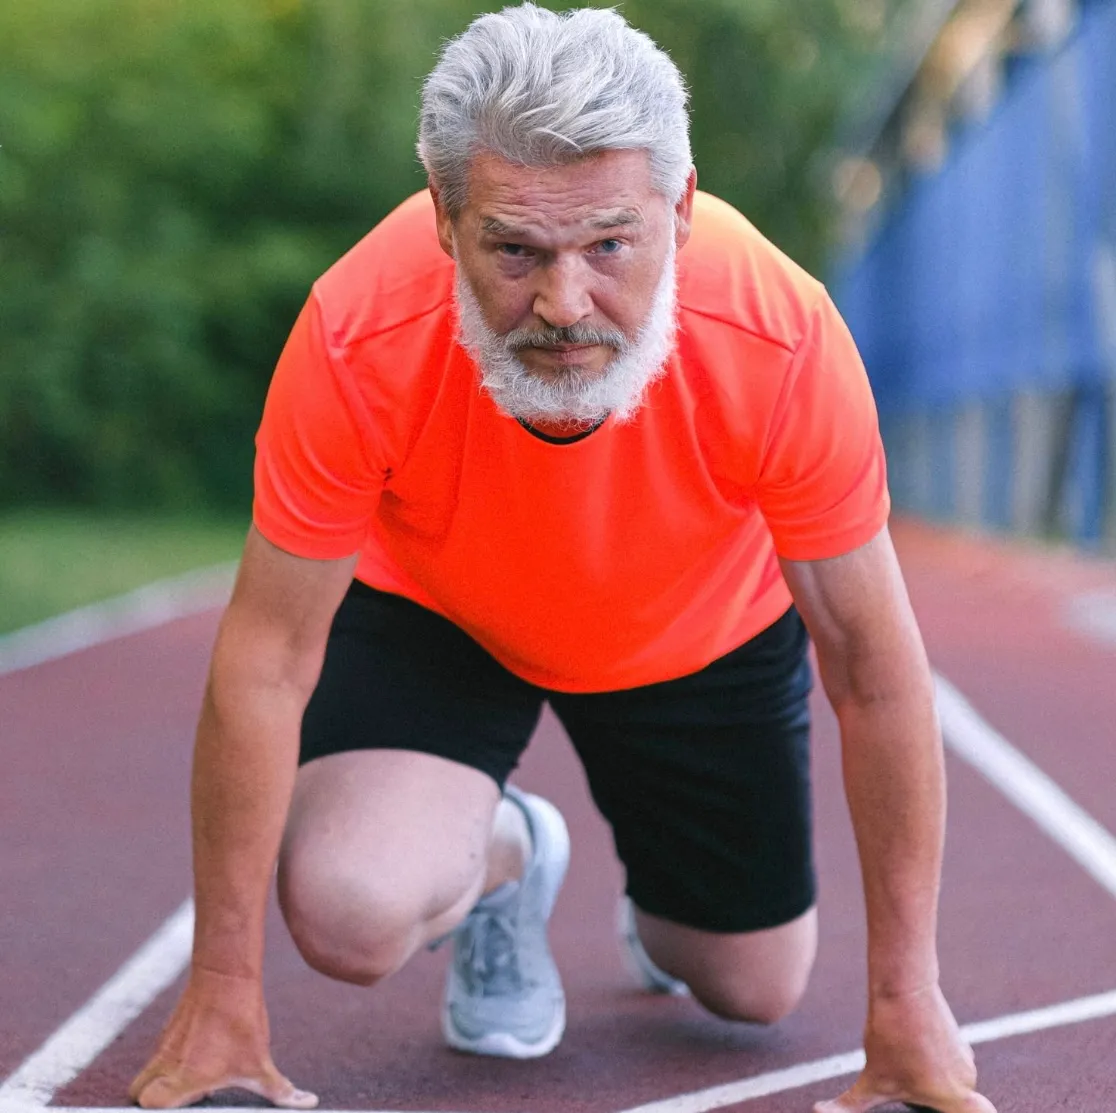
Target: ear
(443, 221)
(684, 211)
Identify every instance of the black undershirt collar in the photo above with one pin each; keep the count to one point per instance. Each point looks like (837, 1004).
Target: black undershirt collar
(561, 440)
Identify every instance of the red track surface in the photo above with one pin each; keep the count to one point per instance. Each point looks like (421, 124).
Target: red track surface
(94, 856)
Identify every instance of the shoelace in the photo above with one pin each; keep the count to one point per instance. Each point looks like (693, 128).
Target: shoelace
(489, 963)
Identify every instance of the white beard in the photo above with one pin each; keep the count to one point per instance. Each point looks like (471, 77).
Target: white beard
(568, 398)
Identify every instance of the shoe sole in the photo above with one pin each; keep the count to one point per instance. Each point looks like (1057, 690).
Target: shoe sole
(503, 1044)
(552, 837)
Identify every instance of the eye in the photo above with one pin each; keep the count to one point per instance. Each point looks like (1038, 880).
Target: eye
(609, 247)
(513, 250)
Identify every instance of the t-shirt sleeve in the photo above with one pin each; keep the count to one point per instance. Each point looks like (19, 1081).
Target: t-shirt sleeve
(823, 479)
(317, 479)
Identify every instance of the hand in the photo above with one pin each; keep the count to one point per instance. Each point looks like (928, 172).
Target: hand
(217, 1038)
(915, 1054)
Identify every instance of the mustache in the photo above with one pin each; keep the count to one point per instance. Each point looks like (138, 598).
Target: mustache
(522, 338)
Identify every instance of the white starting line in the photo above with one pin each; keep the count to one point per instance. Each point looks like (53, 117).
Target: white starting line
(734, 1093)
(836, 1066)
(79, 1041)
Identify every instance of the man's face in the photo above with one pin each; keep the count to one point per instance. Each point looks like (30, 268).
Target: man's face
(566, 283)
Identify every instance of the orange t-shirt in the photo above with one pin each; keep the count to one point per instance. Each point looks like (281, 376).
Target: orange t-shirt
(637, 554)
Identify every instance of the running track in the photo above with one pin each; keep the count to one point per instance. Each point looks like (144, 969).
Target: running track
(94, 858)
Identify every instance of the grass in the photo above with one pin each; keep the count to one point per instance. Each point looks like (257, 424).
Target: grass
(52, 561)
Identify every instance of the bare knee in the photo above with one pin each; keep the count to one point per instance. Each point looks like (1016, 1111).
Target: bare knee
(743, 996)
(346, 927)
(757, 976)
(383, 851)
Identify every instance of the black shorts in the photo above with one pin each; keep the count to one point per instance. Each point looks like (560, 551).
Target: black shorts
(704, 779)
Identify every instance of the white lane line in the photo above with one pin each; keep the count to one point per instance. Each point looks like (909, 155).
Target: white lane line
(775, 1082)
(821, 1070)
(104, 1016)
(1094, 613)
(1039, 1020)
(762, 1085)
(131, 613)
(1026, 786)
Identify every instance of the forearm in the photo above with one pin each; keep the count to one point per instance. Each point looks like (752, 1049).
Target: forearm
(895, 784)
(245, 761)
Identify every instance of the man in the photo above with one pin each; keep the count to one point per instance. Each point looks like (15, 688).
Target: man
(582, 435)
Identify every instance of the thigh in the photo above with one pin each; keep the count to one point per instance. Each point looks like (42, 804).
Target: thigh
(705, 782)
(396, 676)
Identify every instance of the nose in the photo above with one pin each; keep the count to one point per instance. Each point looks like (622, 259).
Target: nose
(563, 296)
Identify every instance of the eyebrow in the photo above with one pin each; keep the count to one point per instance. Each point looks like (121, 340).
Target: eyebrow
(496, 227)
(623, 218)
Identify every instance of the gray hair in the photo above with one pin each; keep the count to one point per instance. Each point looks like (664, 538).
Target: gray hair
(539, 88)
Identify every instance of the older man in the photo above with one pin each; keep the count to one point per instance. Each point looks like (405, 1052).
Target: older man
(516, 450)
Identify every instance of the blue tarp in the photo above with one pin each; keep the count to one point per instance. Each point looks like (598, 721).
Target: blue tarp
(980, 281)
(985, 279)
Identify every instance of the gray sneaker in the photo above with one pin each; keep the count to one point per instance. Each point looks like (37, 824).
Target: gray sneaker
(503, 993)
(638, 962)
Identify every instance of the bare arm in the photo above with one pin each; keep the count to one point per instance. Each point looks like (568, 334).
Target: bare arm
(265, 664)
(877, 677)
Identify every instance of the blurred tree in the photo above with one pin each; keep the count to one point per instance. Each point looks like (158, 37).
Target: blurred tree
(174, 175)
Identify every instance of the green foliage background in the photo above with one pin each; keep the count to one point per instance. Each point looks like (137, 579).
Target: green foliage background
(175, 173)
